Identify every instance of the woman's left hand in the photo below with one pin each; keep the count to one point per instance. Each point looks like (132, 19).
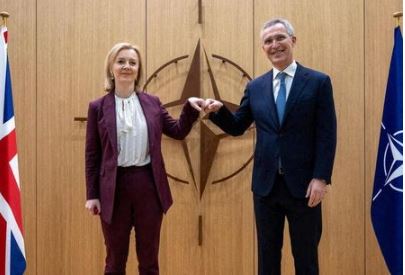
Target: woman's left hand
(197, 103)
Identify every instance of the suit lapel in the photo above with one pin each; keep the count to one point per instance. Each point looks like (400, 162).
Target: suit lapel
(147, 112)
(268, 86)
(297, 87)
(110, 119)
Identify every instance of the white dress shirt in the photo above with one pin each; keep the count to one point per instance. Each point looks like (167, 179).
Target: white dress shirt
(290, 72)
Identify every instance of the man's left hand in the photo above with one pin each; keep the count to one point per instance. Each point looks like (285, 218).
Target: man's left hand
(316, 191)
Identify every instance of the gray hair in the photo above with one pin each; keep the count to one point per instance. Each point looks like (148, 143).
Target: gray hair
(287, 25)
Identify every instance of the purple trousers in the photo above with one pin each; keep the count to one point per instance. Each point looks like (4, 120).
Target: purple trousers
(136, 206)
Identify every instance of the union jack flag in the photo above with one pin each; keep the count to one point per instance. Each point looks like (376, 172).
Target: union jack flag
(12, 251)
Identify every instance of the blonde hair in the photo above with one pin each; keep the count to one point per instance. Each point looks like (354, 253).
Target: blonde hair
(109, 84)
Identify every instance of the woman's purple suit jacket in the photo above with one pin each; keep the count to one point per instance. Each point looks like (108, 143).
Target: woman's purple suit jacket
(102, 150)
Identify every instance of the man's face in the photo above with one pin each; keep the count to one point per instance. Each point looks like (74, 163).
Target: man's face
(278, 45)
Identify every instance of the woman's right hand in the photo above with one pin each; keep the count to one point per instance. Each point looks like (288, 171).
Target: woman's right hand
(197, 103)
(93, 206)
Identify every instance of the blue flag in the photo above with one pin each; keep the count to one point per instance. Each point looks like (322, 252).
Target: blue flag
(386, 206)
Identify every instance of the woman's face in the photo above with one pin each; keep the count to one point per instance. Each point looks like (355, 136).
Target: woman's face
(126, 66)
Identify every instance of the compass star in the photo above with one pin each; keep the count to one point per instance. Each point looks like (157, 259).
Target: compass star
(209, 139)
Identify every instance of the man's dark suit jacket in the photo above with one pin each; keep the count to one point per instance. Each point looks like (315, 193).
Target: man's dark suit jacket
(306, 139)
(102, 152)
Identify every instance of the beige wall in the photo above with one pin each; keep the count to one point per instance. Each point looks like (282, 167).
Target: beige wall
(57, 49)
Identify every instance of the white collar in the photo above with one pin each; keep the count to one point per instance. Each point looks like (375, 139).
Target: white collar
(290, 70)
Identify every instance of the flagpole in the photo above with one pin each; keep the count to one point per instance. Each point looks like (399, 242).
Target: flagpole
(397, 15)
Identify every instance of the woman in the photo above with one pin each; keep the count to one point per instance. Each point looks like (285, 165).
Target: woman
(125, 176)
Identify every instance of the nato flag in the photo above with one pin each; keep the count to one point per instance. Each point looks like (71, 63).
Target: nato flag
(386, 206)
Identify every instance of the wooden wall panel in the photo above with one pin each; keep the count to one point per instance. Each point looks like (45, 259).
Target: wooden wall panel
(379, 37)
(22, 58)
(330, 39)
(229, 226)
(173, 31)
(72, 44)
(227, 220)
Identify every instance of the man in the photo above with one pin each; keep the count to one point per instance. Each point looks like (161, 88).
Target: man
(293, 109)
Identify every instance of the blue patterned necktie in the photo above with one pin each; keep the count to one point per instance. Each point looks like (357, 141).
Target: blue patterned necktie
(281, 98)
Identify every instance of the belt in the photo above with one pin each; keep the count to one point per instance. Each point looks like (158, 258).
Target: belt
(133, 167)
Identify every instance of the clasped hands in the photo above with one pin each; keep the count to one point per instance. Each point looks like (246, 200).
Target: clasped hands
(208, 105)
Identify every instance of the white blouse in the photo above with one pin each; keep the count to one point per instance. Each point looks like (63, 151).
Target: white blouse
(132, 132)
